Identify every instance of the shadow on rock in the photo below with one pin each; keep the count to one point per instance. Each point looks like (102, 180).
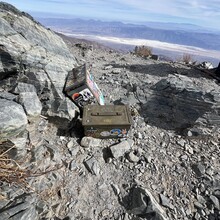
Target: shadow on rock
(177, 104)
(68, 129)
(163, 70)
(141, 203)
(8, 63)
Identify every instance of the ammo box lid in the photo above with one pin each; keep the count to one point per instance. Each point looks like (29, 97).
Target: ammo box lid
(106, 115)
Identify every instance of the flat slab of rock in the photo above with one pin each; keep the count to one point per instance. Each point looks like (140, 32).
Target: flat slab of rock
(93, 166)
(120, 149)
(143, 204)
(31, 103)
(8, 96)
(166, 202)
(90, 142)
(13, 119)
(24, 87)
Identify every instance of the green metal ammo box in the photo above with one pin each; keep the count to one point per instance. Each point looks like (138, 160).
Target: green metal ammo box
(106, 121)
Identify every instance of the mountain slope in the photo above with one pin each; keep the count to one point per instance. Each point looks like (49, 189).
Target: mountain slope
(166, 168)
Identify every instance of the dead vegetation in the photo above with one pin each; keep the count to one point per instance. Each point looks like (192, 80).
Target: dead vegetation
(143, 51)
(10, 170)
(187, 58)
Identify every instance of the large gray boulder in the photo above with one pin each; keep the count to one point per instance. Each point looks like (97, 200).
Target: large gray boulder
(13, 119)
(178, 102)
(37, 56)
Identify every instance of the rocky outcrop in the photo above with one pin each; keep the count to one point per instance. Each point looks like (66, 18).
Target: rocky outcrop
(177, 102)
(35, 55)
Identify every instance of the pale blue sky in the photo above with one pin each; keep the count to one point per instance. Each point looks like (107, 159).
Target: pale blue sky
(200, 12)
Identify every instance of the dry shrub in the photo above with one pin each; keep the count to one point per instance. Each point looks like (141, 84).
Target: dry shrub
(143, 51)
(10, 170)
(12, 173)
(187, 58)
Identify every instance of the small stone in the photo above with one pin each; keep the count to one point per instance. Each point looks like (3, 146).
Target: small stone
(8, 96)
(199, 169)
(188, 149)
(126, 217)
(143, 202)
(166, 202)
(73, 166)
(62, 138)
(115, 189)
(163, 144)
(139, 135)
(70, 144)
(116, 71)
(203, 212)
(154, 187)
(148, 159)
(73, 149)
(93, 166)
(105, 213)
(161, 134)
(109, 160)
(217, 194)
(209, 171)
(188, 212)
(132, 157)
(215, 201)
(120, 149)
(90, 142)
(181, 142)
(189, 134)
(198, 205)
(197, 216)
(201, 199)
(184, 157)
(108, 67)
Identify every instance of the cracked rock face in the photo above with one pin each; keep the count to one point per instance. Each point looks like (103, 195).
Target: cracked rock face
(35, 55)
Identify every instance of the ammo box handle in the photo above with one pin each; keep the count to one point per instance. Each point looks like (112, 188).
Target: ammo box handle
(106, 114)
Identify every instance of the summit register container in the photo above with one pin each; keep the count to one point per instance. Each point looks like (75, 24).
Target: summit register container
(106, 121)
(81, 88)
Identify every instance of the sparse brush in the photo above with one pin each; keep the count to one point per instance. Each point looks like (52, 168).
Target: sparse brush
(10, 170)
(13, 174)
(187, 58)
(143, 51)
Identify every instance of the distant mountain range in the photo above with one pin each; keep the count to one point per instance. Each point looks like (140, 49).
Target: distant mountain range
(184, 34)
